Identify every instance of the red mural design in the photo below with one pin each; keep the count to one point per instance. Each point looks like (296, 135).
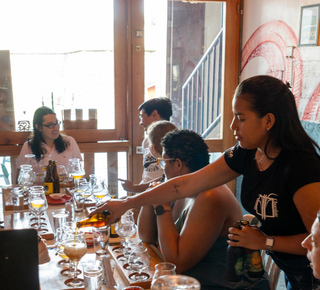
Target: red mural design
(270, 41)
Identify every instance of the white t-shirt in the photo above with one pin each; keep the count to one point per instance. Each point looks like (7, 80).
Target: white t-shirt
(72, 151)
(151, 169)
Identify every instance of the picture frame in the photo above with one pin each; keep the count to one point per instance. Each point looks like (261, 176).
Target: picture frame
(309, 25)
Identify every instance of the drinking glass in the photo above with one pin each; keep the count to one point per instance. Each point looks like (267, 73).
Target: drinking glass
(164, 269)
(37, 204)
(139, 260)
(125, 228)
(69, 168)
(75, 247)
(175, 282)
(26, 176)
(77, 172)
(60, 237)
(100, 240)
(98, 188)
(62, 172)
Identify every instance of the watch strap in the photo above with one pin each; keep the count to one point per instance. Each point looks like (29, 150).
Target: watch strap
(269, 243)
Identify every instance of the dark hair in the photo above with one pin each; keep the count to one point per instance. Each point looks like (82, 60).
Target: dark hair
(35, 141)
(267, 94)
(188, 146)
(162, 105)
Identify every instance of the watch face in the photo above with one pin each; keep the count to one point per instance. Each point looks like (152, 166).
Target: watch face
(159, 210)
(269, 242)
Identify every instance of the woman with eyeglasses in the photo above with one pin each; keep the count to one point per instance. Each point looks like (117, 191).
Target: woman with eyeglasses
(46, 142)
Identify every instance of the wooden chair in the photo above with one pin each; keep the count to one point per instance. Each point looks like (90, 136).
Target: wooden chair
(79, 124)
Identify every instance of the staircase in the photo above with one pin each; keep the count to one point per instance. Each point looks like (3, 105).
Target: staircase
(201, 93)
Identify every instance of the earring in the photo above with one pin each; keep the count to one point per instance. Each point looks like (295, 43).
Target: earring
(268, 129)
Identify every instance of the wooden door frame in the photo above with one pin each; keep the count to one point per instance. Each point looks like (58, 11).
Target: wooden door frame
(231, 80)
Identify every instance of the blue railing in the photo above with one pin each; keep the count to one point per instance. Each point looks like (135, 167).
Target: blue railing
(201, 93)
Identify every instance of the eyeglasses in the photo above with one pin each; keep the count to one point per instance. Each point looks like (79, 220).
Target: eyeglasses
(162, 162)
(141, 115)
(52, 125)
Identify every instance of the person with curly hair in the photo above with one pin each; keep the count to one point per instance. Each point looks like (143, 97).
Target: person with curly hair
(178, 226)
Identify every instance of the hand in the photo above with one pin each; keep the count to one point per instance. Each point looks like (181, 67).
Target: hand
(248, 237)
(127, 185)
(116, 207)
(43, 252)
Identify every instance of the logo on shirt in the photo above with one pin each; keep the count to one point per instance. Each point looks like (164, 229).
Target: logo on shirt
(266, 206)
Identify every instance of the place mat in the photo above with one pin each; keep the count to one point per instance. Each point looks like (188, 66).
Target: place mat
(61, 200)
(154, 259)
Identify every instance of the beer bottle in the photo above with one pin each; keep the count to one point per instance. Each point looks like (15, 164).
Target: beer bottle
(48, 181)
(98, 220)
(235, 259)
(253, 260)
(56, 180)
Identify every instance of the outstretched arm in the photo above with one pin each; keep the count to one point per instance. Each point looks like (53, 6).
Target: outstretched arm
(213, 175)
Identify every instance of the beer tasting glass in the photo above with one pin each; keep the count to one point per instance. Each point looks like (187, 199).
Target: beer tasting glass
(139, 260)
(175, 282)
(125, 228)
(164, 269)
(77, 172)
(75, 247)
(37, 204)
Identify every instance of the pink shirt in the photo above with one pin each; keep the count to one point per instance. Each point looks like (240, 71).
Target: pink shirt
(72, 151)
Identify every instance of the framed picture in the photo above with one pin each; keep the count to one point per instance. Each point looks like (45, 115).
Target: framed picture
(309, 25)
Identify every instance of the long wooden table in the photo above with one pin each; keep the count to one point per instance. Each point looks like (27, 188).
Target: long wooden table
(50, 273)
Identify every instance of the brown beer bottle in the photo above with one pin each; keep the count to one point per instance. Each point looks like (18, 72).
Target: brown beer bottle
(56, 180)
(98, 220)
(48, 181)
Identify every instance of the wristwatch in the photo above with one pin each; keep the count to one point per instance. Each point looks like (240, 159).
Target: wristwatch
(269, 243)
(159, 210)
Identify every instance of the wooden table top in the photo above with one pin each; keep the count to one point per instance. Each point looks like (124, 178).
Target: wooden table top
(50, 273)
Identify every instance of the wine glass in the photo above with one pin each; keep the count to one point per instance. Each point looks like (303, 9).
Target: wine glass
(77, 172)
(175, 282)
(164, 269)
(75, 247)
(125, 228)
(98, 189)
(37, 204)
(139, 260)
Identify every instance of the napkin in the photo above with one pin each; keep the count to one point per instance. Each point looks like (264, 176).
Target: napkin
(108, 272)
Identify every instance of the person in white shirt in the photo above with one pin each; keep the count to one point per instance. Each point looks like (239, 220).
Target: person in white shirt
(46, 142)
(150, 111)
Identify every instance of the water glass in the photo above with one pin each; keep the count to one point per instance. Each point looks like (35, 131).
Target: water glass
(92, 274)
(18, 200)
(59, 218)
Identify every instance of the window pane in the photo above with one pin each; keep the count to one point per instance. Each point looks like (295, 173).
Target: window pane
(61, 56)
(188, 38)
